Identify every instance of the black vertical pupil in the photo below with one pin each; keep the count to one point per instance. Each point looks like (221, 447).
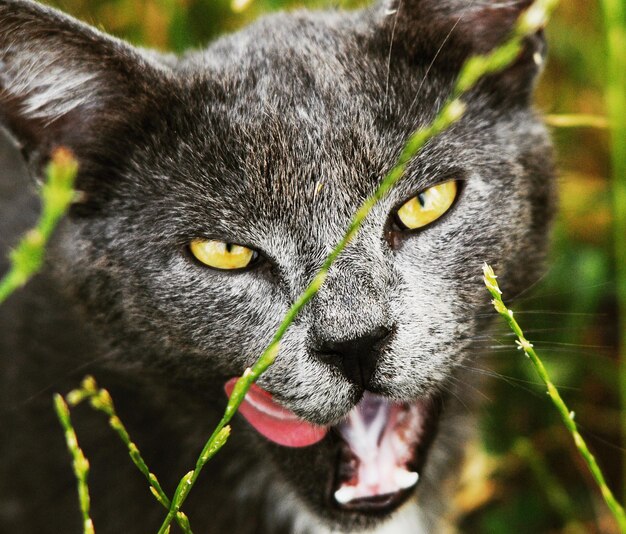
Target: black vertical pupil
(421, 199)
(229, 247)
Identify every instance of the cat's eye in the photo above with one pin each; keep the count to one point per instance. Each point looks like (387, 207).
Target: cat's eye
(427, 206)
(221, 255)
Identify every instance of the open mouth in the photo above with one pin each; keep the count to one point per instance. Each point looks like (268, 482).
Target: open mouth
(383, 445)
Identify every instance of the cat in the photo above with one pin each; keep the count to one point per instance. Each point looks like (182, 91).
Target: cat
(212, 186)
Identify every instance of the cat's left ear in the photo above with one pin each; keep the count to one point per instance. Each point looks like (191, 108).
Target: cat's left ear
(450, 31)
(65, 83)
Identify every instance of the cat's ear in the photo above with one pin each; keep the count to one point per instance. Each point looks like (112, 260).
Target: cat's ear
(449, 31)
(62, 82)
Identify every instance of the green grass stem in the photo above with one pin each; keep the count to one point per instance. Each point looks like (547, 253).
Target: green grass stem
(615, 29)
(79, 462)
(101, 400)
(567, 416)
(576, 120)
(56, 195)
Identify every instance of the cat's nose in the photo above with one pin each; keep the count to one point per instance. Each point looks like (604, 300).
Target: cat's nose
(356, 358)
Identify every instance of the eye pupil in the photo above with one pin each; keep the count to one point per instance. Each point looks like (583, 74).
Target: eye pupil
(229, 247)
(421, 199)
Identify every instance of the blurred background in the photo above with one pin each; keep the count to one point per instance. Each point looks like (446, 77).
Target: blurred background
(524, 474)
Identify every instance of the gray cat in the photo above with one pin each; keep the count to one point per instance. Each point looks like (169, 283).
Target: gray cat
(213, 186)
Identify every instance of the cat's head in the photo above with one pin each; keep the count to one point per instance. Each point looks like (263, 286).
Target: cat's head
(270, 140)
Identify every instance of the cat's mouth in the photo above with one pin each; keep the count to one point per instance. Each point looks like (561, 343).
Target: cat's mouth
(383, 445)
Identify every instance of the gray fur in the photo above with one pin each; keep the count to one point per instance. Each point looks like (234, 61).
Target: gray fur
(232, 143)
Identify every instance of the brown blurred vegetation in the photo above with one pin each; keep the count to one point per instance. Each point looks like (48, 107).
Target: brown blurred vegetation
(524, 475)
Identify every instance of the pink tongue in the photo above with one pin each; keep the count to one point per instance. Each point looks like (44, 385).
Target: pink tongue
(276, 423)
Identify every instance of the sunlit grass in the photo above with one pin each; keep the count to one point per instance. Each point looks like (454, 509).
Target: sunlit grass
(615, 28)
(567, 416)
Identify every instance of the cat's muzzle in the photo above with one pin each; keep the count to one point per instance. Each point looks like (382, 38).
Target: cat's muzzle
(382, 445)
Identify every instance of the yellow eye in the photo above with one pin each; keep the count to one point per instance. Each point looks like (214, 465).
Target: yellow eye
(220, 255)
(428, 206)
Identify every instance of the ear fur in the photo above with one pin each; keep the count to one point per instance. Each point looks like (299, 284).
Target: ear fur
(62, 82)
(452, 30)
(481, 24)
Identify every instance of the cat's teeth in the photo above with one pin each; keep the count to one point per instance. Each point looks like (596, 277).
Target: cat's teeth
(345, 494)
(402, 478)
(405, 479)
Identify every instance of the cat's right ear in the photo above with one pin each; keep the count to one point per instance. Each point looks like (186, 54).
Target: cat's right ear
(64, 83)
(449, 31)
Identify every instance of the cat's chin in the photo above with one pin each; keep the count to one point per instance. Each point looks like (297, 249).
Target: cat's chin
(382, 445)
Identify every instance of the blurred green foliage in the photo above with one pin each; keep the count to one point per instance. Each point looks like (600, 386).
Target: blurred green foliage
(56, 195)
(571, 315)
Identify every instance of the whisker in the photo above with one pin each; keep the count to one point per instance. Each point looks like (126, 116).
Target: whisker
(540, 343)
(470, 386)
(517, 382)
(393, 33)
(432, 63)
(546, 312)
(573, 345)
(538, 296)
(517, 297)
(494, 374)
(52, 385)
(598, 438)
(556, 329)
(451, 391)
(496, 347)
(497, 336)
(497, 351)
(518, 385)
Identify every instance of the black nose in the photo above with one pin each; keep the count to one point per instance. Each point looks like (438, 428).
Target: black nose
(356, 358)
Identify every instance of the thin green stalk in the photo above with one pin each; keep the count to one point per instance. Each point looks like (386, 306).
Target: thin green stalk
(534, 18)
(566, 415)
(56, 195)
(80, 463)
(101, 400)
(576, 120)
(615, 24)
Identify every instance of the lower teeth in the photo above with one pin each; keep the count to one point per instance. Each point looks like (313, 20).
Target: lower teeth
(345, 494)
(403, 479)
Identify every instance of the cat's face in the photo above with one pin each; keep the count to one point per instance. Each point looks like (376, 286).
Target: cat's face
(271, 139)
